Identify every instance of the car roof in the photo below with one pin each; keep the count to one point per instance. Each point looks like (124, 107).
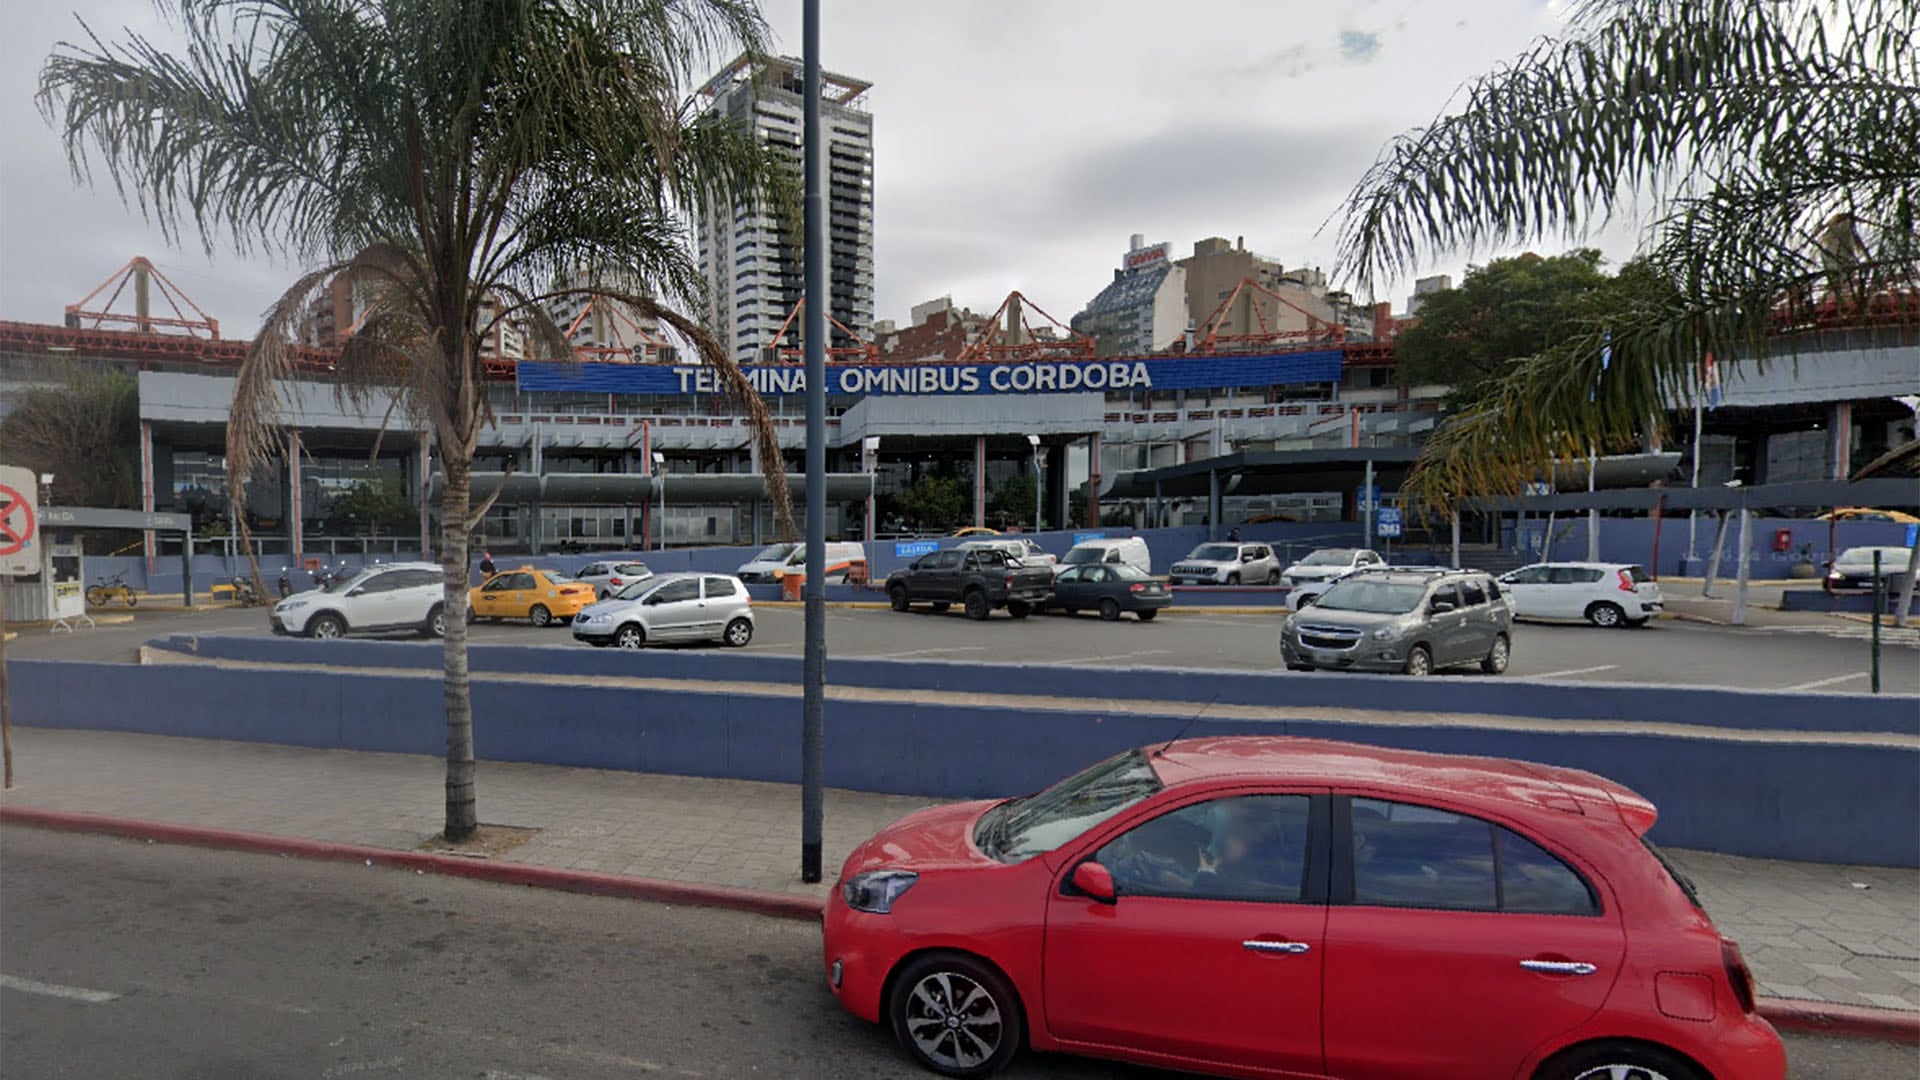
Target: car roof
(400, 566)
(1324, 761)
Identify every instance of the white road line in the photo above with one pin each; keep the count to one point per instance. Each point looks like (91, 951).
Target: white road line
(71, 993)
(926, 652)
(1818, 683)
(1101, 659)
(1571, 671)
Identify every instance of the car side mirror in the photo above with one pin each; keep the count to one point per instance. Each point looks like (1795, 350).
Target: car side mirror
(1096, 882)
(360, 591)
(1441, 607)
(1307, 601)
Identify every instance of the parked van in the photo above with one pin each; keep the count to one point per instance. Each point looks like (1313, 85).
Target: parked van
(846, 561)
(1119, 549)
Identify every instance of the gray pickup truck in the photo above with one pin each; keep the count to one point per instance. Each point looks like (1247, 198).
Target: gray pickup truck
(979, 580)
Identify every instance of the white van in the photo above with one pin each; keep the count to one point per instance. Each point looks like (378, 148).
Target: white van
(1119, 549)
(846, 561)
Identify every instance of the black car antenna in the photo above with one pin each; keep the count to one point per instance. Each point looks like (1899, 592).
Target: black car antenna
(1188, 726)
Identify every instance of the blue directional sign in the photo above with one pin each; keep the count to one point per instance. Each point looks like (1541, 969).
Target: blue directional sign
(1912, 532)
(913, 549)
(1386, 522)
(1083, 537)
(1368, 498)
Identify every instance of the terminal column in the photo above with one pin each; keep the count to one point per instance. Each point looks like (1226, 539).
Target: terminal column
(1842, 441)
(980, 481)
(295, 525)
(1213, 504)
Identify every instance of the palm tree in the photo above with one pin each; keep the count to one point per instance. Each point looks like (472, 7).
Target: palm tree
(1777, 148)
(453, 157)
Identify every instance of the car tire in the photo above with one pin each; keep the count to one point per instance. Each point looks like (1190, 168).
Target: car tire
(1498, 656)
(539, 615)
(1419, 661)
(976, 604)
(941, 605)
(1299, 667)
(1233, 579)
(630, 636)
(1603, 1060)
(1147, 615)
(897, 597)
(1273, 577)
(1606, 616)
(920, 1010)
(739, 633)
(1109, 610)
(326, 627)
(436, 624)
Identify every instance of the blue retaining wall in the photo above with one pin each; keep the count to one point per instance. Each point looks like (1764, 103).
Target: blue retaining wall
(1861, 602)
(1829, 803)
(1630, 540)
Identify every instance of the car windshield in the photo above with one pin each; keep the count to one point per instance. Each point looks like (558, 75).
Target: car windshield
(1329, 557)
(1863, 556)
(1019, 829)
(558, 578)
(1215, 553)
(776, 553)
(1085, 555)
(632, 568)
(1374, 597)
(638, 589)
(1128, 572)
(349, 583)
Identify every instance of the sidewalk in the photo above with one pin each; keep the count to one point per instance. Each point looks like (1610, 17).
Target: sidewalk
(1838, 935)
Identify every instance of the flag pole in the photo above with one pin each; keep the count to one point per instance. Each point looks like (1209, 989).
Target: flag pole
(1699, 409)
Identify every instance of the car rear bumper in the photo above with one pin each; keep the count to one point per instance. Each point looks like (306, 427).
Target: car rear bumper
(1146, 601)
(1034, 595)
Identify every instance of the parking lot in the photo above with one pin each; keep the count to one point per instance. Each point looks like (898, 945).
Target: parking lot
(1815, 655)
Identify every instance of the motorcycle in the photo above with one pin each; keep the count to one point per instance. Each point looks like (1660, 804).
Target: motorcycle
(245, 594)
(285, 585)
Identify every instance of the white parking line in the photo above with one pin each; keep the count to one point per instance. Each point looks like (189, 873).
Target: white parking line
(927, 652)
(1102, 659)
(1818, 683)
(71, 993)
(1571, 671)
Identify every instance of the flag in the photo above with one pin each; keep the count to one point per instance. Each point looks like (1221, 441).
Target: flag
(1710, 381)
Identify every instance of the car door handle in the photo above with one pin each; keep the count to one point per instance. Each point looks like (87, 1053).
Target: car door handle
(1559, 967)
(1286, 948)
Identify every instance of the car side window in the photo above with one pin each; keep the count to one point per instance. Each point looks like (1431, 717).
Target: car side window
(946, 560)
(676, 591)
(500, 583)
(378, 583)
(594, 570)
(1113, 556)
(1249, 847)
(1445, 593)
(1472, 593)
(1532, 575)
(523, 581)
(1417, 856)
(1561, 575)
(1493, 589)
(1534, 881)
(415, 579)
(1071, 574)
(719, 586)
(1588, 575)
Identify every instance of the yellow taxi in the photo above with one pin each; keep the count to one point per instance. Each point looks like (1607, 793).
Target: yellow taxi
(539, 596)
(975, 530)
(1867, 513)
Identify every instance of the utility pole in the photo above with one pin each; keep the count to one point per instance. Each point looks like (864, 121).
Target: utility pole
(813, 719)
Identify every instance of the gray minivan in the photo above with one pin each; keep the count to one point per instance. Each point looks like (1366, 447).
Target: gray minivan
(1400, 621)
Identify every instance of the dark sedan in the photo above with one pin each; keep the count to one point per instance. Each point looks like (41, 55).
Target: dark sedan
(1109, 588)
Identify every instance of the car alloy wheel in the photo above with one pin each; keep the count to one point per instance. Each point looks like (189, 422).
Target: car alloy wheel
(897, 596)
(957, 1016)
(1496, 661)
(1606, 616)
(977, 607)
(1233, 579)
(739, 632)
(1273, 577)
(1109, 609)
(1419, 661)
(630, 637)
(437, 622)
(325, 627)
(540, 615)
(1618, 1061)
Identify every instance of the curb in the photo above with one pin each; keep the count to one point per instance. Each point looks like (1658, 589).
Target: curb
(1852, 1021)
(117, 619)
(651, 890)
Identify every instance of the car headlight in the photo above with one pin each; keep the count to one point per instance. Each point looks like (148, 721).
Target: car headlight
(1388, 633)
(599, 617)
(289, 605)
(875, 891)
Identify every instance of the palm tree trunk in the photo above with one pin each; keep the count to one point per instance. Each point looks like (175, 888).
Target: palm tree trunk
(462, 811)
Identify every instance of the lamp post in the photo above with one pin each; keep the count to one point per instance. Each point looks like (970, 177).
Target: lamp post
(813, 708)
(1034, 441)
(660, 484)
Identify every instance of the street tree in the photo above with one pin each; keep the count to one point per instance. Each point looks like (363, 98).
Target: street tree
(453, 158)
(83, 429)
(1775, 148)
(1013, 499)
(935, 500)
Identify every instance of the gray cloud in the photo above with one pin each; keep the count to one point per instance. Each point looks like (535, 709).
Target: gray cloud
(1359, 46)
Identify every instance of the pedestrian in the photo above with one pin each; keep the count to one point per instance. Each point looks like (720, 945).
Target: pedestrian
(1233, 534)
(486, 564)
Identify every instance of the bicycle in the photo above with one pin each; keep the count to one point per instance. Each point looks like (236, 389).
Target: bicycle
(105, 591)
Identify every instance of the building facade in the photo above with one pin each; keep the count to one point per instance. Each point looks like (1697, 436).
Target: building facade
(1144, 309)
(750, 258)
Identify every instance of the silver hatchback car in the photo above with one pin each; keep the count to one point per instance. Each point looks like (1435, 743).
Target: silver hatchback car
(1401, 621)
(670, 607)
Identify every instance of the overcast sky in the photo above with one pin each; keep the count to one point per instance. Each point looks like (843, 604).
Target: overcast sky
(1017, 142)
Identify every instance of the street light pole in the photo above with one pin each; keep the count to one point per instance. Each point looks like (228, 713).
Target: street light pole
(813, 721)
(660, 485)
(1034, 441)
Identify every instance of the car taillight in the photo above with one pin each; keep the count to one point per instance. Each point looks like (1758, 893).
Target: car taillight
(1009, 581)
(1136, 587)
(1738, 974)
(614, 581)
(1626, 581)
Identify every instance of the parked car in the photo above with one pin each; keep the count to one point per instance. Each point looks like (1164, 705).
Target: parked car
(1867, 513)
(845, 559)
(1393, 621)
(975, 530)
(538, 596)
(608, 578)
(1014, 548)
(1227, 564)
(1304, 594)
(1108, 589)
(1853, 568)
(670, 607)
(1262, 905)
(1329, 563)
(1118, 549)
(980, 580)
(1604, 594)
(393, 596)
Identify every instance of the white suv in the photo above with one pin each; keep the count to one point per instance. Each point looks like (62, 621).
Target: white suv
(391, 596)
(1604, 594)
(1327, 564)
(1227, 564)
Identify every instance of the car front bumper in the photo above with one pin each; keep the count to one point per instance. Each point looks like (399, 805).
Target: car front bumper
(1385, 657)
(858, 950)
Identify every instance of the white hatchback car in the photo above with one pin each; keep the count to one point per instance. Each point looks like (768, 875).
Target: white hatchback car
(1327, 564)
(390, 596)
(608, 578)
(670, 607)
(1604, 594)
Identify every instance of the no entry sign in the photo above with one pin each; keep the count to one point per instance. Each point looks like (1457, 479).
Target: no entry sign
(19, 522)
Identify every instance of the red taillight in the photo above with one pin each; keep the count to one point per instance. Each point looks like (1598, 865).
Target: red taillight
(614, 581)
(1009, 581)
(1136, 588)
(1738, 974)
(1626, 581)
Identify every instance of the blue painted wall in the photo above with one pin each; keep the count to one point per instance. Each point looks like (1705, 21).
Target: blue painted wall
(1630, 540)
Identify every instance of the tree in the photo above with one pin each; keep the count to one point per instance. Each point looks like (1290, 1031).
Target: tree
(452, 157)
(375, 505)
(85, 431)
(935, 501)
(1777, 147)
(1506, 311)
(1013, 499)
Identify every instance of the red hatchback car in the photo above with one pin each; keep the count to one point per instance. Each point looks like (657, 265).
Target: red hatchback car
(1262, 906)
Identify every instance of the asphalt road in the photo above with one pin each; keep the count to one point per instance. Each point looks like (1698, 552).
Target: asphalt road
(127, 959)
(1817, 654)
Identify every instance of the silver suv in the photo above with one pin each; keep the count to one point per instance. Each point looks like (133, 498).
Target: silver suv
(670, 607)
(1227, 564)
(1399, 621)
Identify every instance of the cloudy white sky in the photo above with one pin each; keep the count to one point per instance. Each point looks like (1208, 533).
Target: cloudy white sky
(1017, 142)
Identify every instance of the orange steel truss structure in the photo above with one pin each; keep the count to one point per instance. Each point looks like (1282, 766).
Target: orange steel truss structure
(1209, 339)
(145, 279)
(1009, 338)
(646, 348)
(861, 351)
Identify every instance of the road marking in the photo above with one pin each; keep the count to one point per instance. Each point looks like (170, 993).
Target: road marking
(926, 652)
(1101, 659)
(354, 1068)
(1818, 683)
(71, 993)
(1571, 671)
